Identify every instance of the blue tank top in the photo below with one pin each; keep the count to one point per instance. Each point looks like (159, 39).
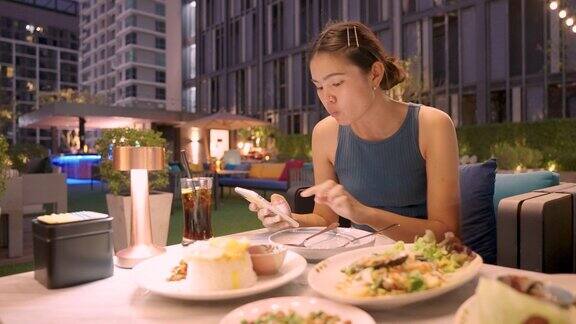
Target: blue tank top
(389, 174)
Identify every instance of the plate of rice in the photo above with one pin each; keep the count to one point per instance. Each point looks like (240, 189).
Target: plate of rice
(399, 274)
(215, 270)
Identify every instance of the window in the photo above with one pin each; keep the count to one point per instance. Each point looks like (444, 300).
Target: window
(160, 43)
(245, 5)
(214, 96)
(468, 109)
(408, 6)
(236, 40)
(308, 89)
(5, 52)
(371, 10)
(438, 52)
(515, 40)
(498, 106)
(305, 20)
(131, 4)
(131, 91)
(159, 9)
(534, 36)
(210, 12)
(131, 38)
(296, 124)
(453, 47)
(240, 92)
(160, 59)
(279, 84)
(219, 48)
(189, 99)
(160, 93)
(160, 26)
(130, 56)
(277, 26)
(330, 10)
(160, 76)
(131, 21)
(130, 74)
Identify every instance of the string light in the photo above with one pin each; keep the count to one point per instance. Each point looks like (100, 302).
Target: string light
(574, 29)
(554, 5)
(569, 21)
(562, 14)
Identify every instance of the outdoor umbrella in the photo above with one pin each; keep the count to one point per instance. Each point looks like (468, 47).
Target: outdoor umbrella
(226, 121)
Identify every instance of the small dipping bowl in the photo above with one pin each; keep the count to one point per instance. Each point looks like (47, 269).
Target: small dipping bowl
(267, 259)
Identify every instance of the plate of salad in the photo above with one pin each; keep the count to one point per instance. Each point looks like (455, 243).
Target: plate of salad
(389, 276)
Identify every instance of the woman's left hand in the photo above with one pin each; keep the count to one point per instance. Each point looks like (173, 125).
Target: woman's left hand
(333, 195)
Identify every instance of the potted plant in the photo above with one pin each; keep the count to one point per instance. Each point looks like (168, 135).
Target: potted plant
(118, 199)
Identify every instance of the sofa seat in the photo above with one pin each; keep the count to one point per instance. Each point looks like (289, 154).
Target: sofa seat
(253, 183)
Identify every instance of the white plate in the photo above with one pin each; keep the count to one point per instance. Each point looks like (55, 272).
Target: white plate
(324, 245)
(152, 274)
(302, 305)
(463, 315)
(567, 281)
(326, 274)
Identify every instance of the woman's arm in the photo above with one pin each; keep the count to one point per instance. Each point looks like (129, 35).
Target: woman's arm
(439, 147)
(324, 141)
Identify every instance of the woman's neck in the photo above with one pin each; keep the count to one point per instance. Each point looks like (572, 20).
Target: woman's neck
(381, 120)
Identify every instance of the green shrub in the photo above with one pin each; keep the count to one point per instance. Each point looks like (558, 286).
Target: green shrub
(511, 156)
(21, 153)
(294, 147)
(553, 138)
(4, 163)
(119, 181)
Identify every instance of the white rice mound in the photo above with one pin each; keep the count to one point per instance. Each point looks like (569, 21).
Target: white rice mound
(219, 266)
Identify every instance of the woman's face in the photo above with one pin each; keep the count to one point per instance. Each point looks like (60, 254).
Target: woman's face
(344, 89)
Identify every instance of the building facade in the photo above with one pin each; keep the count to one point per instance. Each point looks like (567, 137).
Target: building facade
(38, 53)
(480, 61)
(123, 51)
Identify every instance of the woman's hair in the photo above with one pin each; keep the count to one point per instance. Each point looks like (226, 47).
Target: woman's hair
(360, 45)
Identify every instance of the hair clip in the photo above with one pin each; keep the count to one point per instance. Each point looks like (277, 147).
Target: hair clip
(355, 35)
(348, 35)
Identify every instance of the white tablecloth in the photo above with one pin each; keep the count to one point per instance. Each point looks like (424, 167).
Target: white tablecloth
(118, 300)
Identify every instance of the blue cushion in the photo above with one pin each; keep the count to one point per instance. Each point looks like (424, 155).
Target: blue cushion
(508, 185)
(477, 215)
(230, 166)
(174, 168)
(244, 166)
(254, 183)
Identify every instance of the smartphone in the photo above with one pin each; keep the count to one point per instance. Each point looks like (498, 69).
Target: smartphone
(261, 202)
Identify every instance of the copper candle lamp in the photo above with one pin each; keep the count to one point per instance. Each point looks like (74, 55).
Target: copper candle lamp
(138, 160)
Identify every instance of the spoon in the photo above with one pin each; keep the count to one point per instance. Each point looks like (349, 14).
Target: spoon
(326, 229)
(373, 233)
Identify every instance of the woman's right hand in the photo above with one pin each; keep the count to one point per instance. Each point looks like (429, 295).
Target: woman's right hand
(269, 219)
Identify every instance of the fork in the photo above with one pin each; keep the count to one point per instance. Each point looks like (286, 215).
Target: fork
(326, 229)
(373, 233)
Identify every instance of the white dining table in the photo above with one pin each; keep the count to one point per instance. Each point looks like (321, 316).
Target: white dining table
(118, 299)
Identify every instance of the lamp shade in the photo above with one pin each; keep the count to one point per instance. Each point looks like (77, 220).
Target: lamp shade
(127, 158)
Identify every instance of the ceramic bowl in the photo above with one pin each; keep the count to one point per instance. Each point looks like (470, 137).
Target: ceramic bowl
(267, 258)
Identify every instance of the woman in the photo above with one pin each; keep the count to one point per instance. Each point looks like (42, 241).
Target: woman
(377, 161)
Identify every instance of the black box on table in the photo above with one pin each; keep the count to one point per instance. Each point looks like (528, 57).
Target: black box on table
(72, 253)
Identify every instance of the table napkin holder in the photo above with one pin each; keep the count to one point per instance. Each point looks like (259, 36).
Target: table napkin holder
(72, 253)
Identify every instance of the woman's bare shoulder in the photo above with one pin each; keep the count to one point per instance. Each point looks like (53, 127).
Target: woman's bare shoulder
(325, 138)
(325, 128)
(432, 118)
